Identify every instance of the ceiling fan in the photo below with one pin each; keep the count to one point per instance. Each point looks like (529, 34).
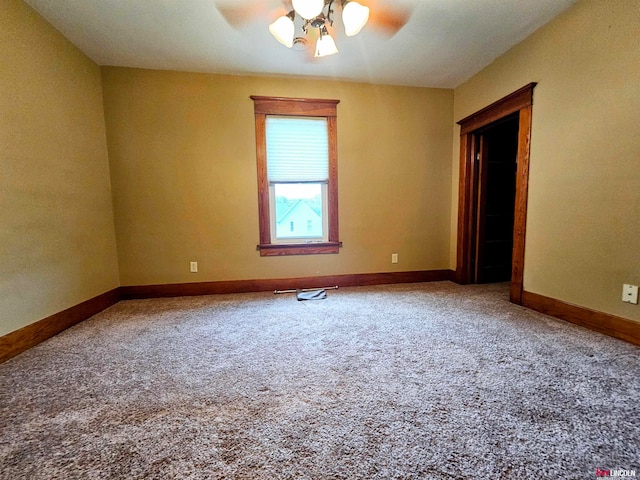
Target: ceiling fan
(295, 21)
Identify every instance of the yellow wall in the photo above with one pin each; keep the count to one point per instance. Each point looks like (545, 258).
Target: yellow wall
(183, 170)
(182, 156)
(583, 229)
(57, 242)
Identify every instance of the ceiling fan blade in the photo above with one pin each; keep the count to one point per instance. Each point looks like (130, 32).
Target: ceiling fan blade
(391, 21)
(238, 15)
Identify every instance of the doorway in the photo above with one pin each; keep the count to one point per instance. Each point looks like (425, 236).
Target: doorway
(475, 133)
(495, 201)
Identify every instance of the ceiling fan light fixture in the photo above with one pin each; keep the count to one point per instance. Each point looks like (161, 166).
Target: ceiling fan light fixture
(325, 45)
(313, 16)
(354, 17)
(283, 29)
(300, 43)
(308, 9)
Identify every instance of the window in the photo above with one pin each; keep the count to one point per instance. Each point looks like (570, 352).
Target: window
(296, 152)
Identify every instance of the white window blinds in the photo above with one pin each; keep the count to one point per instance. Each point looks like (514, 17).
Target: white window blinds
(297, 149)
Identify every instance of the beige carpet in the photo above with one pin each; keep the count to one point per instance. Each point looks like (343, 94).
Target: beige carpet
(433, 381)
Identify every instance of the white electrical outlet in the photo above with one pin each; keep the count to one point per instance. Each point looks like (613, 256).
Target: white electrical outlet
(394, 258)
(630, 293)
(193, 267)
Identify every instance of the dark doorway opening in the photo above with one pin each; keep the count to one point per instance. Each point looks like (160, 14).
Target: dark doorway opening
(520, 104)
(497, 152)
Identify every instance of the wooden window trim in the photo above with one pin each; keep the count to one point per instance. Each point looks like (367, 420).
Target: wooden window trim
(299, 107)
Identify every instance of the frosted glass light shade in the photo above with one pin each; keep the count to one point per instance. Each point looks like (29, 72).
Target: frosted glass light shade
(308, 9)
(354, 17)
(283, 30)
(325, 46)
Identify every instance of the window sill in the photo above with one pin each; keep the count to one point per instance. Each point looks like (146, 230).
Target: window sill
(271, 249)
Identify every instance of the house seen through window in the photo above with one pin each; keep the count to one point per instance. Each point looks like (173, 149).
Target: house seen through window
(298, 211)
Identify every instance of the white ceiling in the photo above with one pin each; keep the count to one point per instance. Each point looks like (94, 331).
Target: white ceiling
(443, 44)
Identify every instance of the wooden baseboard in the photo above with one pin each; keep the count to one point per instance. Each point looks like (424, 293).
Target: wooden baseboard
(608, 324)
(23, 339)
(265, 285)
(17, 342)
